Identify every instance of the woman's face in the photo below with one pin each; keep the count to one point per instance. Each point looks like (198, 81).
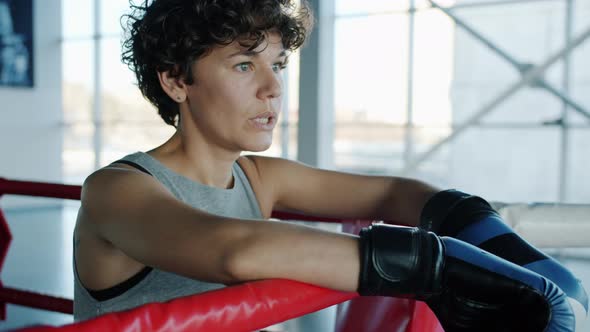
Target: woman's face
(236, 99)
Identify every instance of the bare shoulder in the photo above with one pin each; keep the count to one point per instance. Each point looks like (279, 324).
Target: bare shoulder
(260, 172)
(270, 166)
(271, 177)
(109, 195)
(110, 177)
(280, 172)
(118, 186)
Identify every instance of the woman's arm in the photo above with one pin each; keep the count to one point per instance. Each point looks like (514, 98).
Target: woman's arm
(285, 184)
(137, 215)
(140, 217)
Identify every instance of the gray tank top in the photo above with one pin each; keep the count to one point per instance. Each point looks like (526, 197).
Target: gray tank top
(153, 285)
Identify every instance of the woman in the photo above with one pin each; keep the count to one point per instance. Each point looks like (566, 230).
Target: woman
(186, 217)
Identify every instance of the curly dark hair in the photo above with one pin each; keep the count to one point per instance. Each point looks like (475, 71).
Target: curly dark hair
(170, 35)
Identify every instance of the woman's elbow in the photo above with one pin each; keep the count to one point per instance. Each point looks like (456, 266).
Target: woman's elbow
(242, 261)
(236, 268)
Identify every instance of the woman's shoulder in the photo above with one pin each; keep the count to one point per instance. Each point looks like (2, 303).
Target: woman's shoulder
(264, 164)
(265, 170)
(118, 183)
(264, 175)
(125, 169)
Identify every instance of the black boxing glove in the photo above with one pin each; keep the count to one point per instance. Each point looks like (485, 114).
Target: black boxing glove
(467, 288)
(473, 220)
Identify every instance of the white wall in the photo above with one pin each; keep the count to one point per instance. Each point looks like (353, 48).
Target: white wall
(31, 118)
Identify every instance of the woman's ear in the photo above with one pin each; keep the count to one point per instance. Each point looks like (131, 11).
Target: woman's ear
(174, 87)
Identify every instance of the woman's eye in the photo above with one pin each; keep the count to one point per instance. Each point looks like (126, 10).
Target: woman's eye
(277, 67)
(245, 66)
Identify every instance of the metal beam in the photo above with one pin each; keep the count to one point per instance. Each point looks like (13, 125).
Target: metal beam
(316, 90)
(563, 97)
(564, 148)
(284, 122)
(409, 128)
(480, 4)
(97, 106)
(421, 8)
(527, 78)
(520, 66)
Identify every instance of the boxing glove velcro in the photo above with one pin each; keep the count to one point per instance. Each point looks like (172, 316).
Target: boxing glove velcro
(400, 261)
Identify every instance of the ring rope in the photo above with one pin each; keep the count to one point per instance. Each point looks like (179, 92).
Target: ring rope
(246, 307)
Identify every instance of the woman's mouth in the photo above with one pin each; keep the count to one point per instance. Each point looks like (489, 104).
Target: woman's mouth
(264, 121)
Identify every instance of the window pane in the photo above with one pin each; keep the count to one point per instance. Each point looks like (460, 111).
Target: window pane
(359, 8)
(78, 94)
(434, 36)
(370, 87)
(509, 165)
(512, 157)
(580, 70)
(77, 18)
(110, 18)
(117, 79)
(348, 7)
(78, 152)
(130, 122)
(78, 80)
(291, 109)
(480, 74)
(425, 4)
(578, 179)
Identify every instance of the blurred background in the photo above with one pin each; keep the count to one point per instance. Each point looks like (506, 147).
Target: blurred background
(489, 96)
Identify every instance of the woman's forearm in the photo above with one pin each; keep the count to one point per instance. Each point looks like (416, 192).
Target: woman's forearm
(329, 259)
(284, 250)
(405, 201)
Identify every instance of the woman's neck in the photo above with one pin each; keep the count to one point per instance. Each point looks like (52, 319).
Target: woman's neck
(196, 160)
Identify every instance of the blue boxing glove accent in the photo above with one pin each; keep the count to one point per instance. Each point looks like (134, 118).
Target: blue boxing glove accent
(467, 288)
(473, 220)
(493, 235)
(518, 308)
